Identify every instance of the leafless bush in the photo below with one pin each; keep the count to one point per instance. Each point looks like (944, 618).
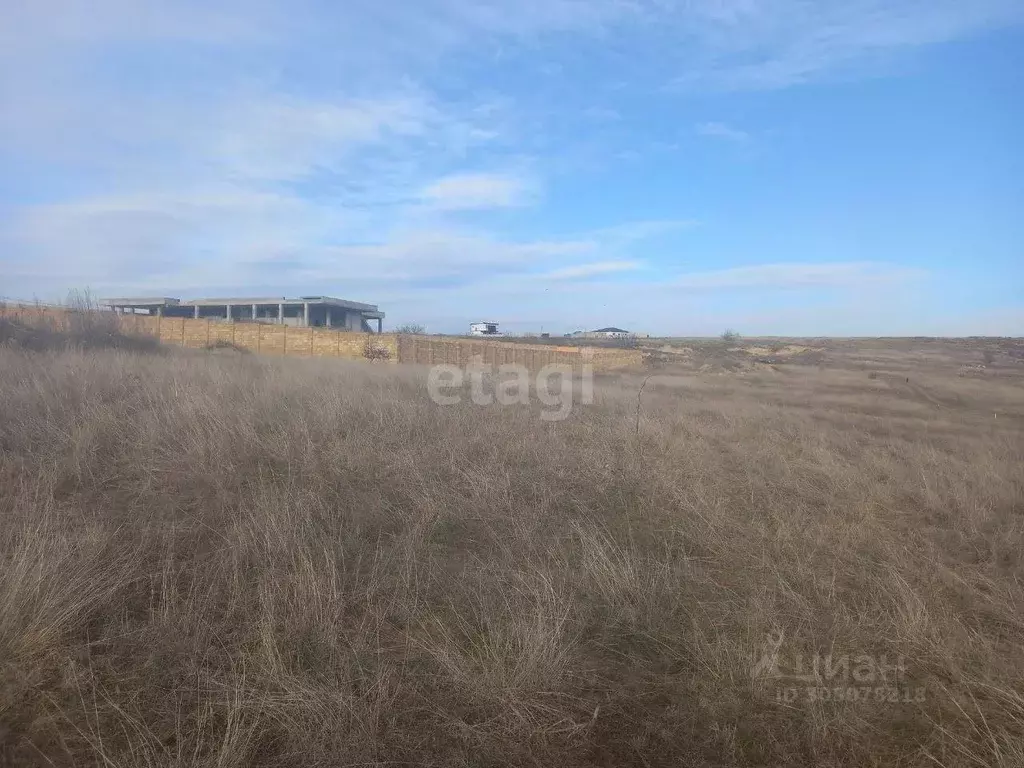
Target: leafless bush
(226, 561)
(376, 351)
(223, 345)
(87, 319)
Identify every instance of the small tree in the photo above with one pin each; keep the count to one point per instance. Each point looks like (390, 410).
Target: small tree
(411, 328)
(729, 336)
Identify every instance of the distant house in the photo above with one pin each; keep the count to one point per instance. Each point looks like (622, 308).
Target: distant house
(484, 329)
(611, 333)
(603, 333)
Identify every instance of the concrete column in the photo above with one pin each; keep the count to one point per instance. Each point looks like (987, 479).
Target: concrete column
(380, 325)
(195, 312)
(159, 311)
(305, 313)
(328, 317)
(254, 313)
(280, 314)
(227, 314)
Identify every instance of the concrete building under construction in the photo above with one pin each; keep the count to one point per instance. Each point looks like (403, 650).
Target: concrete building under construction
(304, 311)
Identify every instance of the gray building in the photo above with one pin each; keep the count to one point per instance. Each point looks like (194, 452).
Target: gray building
(319, 311)
(604, 333)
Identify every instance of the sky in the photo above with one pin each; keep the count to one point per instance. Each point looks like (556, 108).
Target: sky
(777, 167)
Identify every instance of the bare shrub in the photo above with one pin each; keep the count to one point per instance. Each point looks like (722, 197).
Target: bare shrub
(223, 345)
(376, 351)
(87, 319)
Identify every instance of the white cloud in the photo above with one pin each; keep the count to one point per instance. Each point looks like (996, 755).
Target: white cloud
(289, 139)
(631, 232)
(593, 269)
(162, 237)
(455, 254)
(466, 191)
(722, 131)
(714, 43)
(235, 240)
(780, 43)
(43, 23)
(797, 275)
(839, 299)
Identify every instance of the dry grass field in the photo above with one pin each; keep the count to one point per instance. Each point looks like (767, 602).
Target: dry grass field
(217, 559)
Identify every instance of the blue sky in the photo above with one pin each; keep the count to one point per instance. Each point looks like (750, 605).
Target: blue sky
(780, 167)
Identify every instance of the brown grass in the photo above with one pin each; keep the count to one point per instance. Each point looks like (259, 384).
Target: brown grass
(84, 330)
(230, 560)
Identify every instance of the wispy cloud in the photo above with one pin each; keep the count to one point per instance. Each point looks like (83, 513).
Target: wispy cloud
(722, 131)
(798, 275)
(467, 191)
(281, 139)
(631, 232)
(235, 238)
(452, 254)
(777, 44)
(580, 271)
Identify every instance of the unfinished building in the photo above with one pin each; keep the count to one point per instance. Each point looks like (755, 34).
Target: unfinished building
(304, 311)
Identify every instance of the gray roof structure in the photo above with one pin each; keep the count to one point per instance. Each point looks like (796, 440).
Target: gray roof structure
(142, 301)
(355, 306)
(174, 306)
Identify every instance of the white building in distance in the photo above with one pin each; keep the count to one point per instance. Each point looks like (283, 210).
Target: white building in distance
(484, 329)
(604, 333)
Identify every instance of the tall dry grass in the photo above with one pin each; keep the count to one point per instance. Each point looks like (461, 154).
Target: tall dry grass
(232, 561)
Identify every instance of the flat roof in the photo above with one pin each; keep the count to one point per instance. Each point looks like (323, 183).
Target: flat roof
(152, 301)
(323, 300)
(369, 310)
